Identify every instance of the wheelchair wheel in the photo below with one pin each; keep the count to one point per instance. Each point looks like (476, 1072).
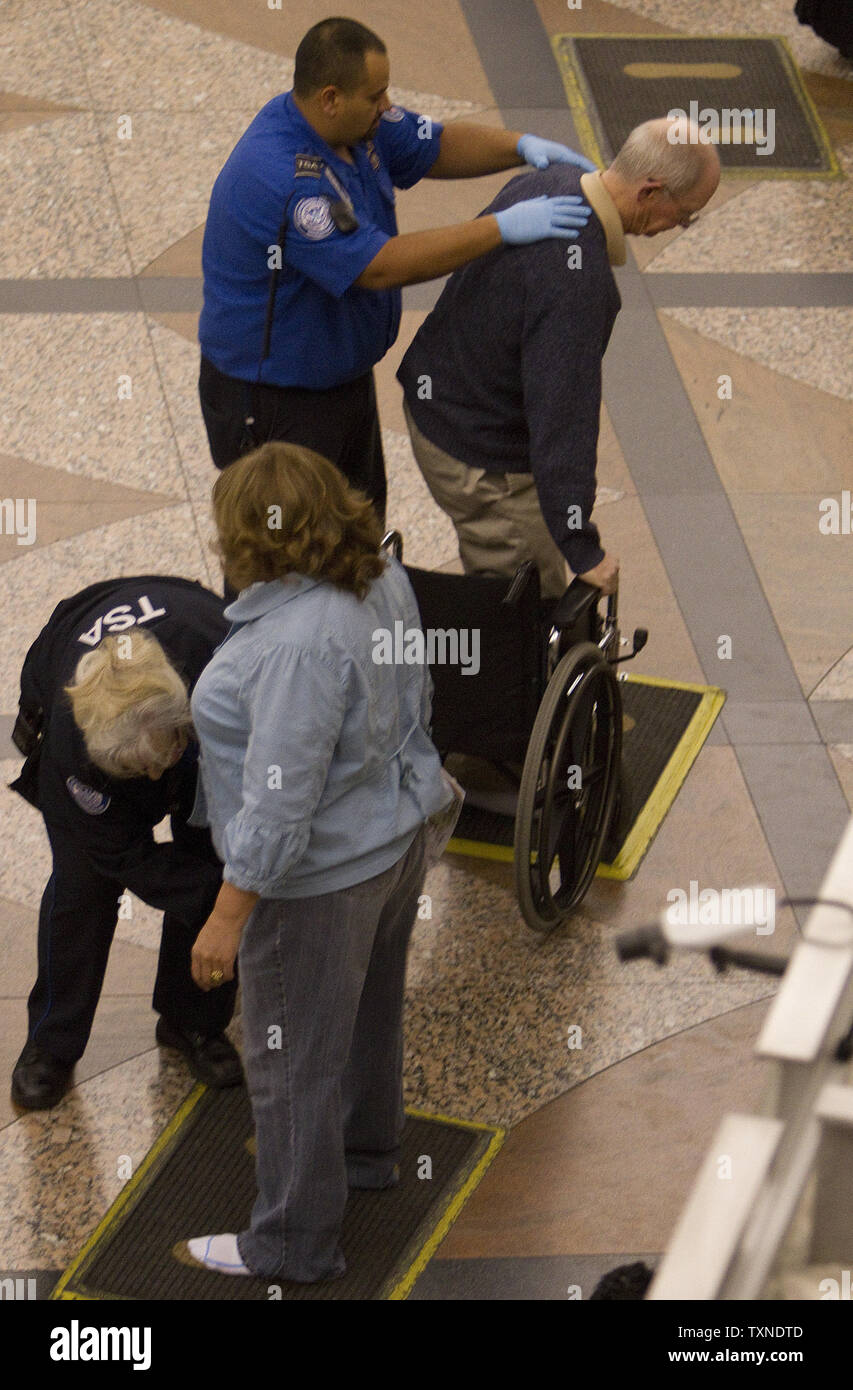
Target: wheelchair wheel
(568, 787)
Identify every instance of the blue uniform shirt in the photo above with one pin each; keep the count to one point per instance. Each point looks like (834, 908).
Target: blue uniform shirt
(326, 330)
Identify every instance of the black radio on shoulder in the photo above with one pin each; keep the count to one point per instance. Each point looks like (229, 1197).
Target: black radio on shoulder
(343, 216)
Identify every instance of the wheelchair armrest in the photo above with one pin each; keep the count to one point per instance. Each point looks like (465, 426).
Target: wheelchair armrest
(577, 601)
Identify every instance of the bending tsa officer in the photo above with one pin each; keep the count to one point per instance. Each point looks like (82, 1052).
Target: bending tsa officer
(105, 724)
(302, 259)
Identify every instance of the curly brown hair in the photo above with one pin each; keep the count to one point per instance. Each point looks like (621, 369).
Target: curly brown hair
(283, 509)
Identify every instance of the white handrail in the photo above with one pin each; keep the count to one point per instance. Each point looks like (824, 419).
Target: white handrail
(730, 1230)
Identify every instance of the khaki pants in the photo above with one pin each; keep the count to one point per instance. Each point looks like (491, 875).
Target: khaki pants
(497, 516)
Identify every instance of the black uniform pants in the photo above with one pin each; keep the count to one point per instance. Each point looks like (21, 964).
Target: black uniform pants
(341, 423)
(831, 20)
(79, 911)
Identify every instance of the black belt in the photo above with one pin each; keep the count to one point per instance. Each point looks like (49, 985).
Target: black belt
(27, 732)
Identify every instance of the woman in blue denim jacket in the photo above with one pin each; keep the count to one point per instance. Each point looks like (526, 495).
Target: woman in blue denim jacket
(317, 775)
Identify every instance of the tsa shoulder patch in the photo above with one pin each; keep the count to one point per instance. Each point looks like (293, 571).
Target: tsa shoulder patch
(394, 113)
(308, 165)
(313, 219)
(93, 802)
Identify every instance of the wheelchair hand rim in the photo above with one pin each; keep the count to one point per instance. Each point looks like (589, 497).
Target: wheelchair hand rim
(577, 679)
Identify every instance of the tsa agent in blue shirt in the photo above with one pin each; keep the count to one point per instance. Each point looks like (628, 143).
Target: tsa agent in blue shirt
(303, 263)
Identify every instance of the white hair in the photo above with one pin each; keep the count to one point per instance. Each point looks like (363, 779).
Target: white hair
(650, 152)
(129, 702)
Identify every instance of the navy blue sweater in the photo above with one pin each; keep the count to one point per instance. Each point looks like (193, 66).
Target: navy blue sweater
(512, 351)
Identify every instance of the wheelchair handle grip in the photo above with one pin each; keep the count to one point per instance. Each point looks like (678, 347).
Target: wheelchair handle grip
(392, 544)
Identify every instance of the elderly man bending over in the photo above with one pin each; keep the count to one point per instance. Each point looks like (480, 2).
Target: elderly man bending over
(503, 381)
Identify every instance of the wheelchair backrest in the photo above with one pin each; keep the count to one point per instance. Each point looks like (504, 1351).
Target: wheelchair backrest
(486, 657)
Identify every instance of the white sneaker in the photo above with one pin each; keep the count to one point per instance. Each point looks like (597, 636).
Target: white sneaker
(218, 1253)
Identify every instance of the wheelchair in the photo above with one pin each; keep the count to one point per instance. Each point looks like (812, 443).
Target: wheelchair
(544, 707)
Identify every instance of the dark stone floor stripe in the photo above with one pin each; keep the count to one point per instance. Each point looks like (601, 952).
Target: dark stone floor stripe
(516, 56)
(95, 296)
(171, 294)
(183, 293)
(717, 588)
(548, 1278)
(101, 295)
(761, 290)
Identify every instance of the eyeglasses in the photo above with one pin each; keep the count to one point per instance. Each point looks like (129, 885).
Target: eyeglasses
(689, 218)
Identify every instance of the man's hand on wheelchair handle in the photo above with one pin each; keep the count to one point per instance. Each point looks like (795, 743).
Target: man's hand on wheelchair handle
(605, 575)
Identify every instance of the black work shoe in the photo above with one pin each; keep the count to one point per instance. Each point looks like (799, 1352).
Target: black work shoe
(215, 1061)
(39, 1081)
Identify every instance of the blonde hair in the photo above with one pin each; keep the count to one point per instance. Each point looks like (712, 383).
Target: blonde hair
(283, 509)
(129, 703)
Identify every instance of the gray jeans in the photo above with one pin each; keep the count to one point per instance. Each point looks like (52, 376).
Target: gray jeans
(323, 981)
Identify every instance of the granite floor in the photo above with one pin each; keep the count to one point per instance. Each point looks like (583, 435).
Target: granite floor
(711, 502)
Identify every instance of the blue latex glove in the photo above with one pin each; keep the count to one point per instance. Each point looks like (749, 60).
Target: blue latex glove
(538, 218)
(540, 153)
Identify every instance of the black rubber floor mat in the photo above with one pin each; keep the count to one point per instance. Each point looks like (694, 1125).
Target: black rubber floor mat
(654, 721)
(755, 105)
(199, 1179)
(665, 724)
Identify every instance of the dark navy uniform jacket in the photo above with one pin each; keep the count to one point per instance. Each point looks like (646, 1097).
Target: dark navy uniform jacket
(112, 819)
(505, 373)
(281, 174)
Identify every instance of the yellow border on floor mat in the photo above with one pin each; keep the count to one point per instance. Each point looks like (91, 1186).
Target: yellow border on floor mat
(124, 1204)
(669, 783)
(573, 85)
(133, 1190)
(663, 794)
(403, 1288)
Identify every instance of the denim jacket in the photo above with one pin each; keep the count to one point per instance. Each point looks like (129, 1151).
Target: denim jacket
(316, 767)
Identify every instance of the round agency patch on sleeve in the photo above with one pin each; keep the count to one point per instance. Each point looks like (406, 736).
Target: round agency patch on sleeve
(93, 802)
(394, 113)
(313, 219)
